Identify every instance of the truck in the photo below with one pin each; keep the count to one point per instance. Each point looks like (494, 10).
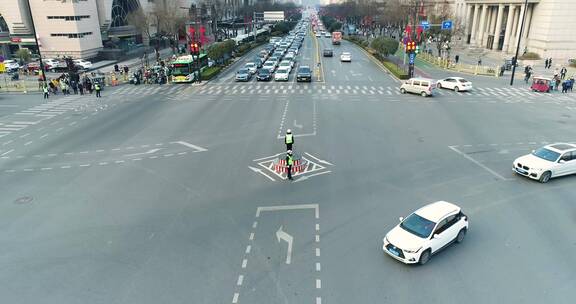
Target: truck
(336, 37)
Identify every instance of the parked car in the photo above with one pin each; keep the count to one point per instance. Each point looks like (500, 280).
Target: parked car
(550, 161)
(422, 86)
(425, 232)
(84, 64)
(11, 66)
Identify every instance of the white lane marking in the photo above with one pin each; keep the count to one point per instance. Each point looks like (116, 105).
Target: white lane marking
(289, 207)
(244, 263)
(28, 143)
(24, 135)
(85, 165)
(251, 236)
(318, 284)
(189, 145)
(66, 167)
(235, 298)
(317, 238)
(240, 280)
(119, 161)
(7, 152)
(318, 300)
(102, 163)
(477, 163)
(318, 266)
(317, 227)
(317, 252)
(248, 248)
(43, 135)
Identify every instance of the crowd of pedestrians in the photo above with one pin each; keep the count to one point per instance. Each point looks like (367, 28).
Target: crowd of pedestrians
(75, 84)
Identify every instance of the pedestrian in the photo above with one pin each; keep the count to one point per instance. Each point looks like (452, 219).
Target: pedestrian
(289, 140)
(563, 72)
(74, 87)
(46, 92)
(116, 68)
(557, 78)
(556, 72)
(571, 85)
(550, 62)
(565, 86)
(456, 58)
(479, 61)
(81, 88)
(502, 69)
(546, 63)
(97, 88)
(289, 163)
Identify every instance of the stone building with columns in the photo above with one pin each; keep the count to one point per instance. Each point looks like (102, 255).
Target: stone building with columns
(495, 25)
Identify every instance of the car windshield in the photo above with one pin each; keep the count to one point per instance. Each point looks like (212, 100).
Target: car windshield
(304, 70)
(242, 71)
(546, 154)
(264, 72)
(418, 225)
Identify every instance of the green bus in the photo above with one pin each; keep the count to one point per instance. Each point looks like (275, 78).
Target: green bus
(183, 67)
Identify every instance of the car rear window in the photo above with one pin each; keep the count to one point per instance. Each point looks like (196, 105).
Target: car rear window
(463, 80)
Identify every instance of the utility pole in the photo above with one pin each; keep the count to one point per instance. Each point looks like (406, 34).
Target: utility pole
(514, 62)
(42, 71)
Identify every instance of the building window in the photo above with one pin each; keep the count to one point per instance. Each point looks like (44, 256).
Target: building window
(121, 9)
(69, 18)
(71, 35)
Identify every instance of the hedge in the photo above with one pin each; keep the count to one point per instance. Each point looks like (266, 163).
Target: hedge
(210, 72)
(530, 56)
(392, 67)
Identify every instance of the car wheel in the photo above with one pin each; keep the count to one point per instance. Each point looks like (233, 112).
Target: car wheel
(424, 257)
(461, 235)
(545, 177)
(423, 94)
(439, 85)
(403, 91)
(456, 89)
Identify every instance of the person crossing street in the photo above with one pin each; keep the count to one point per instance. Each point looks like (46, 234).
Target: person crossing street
(46, 92)
(289, 163)
(289, 140)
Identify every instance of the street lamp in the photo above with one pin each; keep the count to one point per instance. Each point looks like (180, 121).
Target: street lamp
(518, 45)
(37, 45)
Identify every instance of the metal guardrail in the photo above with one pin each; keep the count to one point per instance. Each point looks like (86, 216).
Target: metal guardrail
(463, 68)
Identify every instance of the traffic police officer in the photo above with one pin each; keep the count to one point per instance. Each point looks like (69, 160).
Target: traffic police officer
(289, 163)
(289, 140)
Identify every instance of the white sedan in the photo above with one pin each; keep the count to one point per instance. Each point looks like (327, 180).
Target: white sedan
(85, 64)
(425, 232)
(346, 57)
(282, 74)
(286, 64)
(549, 161)
(454, 83)
(251, 66)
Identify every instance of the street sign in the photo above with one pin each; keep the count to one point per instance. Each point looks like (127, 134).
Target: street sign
(411, 58)
(425, 24)
(447, 24)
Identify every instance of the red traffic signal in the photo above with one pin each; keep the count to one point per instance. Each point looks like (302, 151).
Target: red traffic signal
(410, 46)
(195, 48)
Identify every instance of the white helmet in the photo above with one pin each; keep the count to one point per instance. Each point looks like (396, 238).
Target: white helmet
(288, 131)
(289, 152)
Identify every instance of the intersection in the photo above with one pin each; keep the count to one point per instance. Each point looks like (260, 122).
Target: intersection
(149, 194)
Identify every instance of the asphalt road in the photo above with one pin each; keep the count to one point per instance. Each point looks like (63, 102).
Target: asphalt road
(164, 194)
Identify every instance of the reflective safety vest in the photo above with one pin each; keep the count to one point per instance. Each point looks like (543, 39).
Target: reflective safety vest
(97, 87)
(45, 89)
(290, 161)
(289, 139)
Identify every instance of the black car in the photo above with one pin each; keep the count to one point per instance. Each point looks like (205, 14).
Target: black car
(304, 74)
(328, 53)
(263, 75)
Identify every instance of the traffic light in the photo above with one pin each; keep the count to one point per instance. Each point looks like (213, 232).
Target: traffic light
(417, 49)
(410, 46)
(195, 48)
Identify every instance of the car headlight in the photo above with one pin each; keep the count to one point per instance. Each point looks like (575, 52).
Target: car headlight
(412, 251)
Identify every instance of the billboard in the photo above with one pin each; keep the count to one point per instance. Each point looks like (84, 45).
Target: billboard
(274, 16)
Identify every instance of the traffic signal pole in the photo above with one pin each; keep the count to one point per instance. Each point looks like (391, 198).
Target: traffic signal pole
(518, 45)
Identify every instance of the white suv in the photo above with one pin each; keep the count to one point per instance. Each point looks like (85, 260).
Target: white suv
(425, 232)
(549, 161)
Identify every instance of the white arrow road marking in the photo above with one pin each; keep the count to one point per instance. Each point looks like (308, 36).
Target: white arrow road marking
(282, 235)
(189, 145)
(143, 153)
(261, 172)
(297, 125)
(319, 160)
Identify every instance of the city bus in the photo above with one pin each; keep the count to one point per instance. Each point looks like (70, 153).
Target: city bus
(183, 67)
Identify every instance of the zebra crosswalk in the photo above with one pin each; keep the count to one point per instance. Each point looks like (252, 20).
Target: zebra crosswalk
(243, 89)
(146, 90)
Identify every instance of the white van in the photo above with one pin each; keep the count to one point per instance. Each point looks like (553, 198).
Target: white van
(422, 86)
